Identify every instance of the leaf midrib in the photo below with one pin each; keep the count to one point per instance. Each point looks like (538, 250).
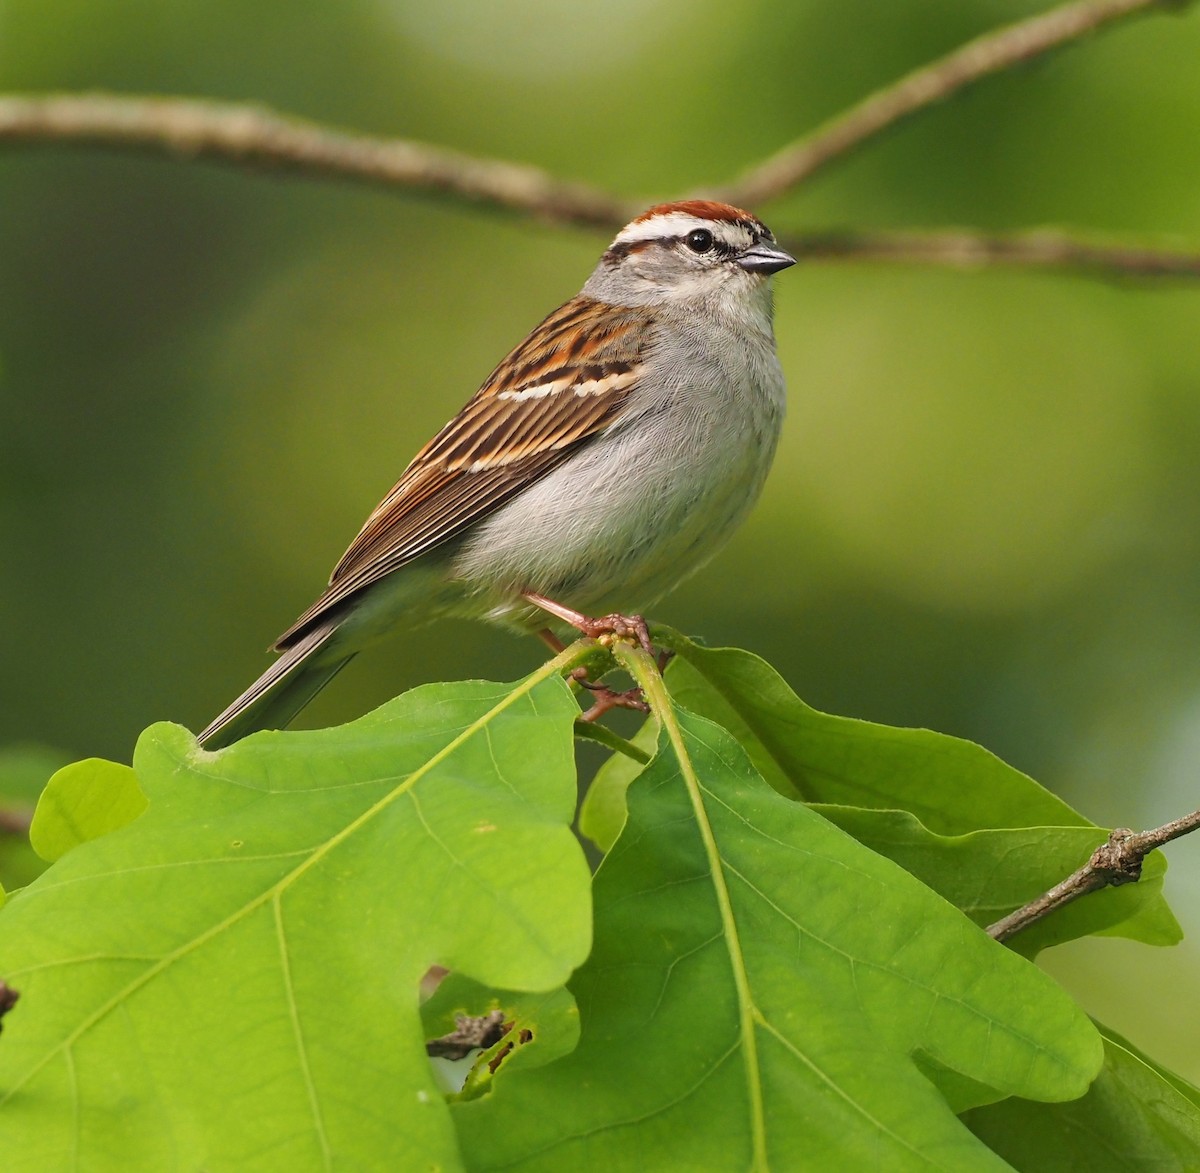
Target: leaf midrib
(643, 669)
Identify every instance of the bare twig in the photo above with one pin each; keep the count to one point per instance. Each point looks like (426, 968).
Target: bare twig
(252, 135)
(14, 822)
(469, 1034)
(248, 135)
(965, 249)
(1119, 861)
(991, 53)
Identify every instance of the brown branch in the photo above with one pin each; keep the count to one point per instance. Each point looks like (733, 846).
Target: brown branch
(1119, 861)
(251, 135)
(966, 249)
(469, 1034)
(991, 53)
(14, 822)
(248, 135)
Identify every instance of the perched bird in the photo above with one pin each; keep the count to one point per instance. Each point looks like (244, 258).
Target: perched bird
(609, 455)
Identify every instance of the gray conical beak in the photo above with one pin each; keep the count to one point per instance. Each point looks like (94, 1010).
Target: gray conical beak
(765, 258)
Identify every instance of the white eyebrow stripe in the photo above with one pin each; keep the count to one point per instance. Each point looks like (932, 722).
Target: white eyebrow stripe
(680, 224)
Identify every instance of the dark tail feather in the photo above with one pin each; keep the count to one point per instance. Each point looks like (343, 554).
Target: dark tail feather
(280, 692)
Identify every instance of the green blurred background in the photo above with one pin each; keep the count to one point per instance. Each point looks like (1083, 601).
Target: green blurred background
(984, 517)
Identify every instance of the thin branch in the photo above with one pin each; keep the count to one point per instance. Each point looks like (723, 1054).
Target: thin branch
(991, 53)
(15, 822)
(249, 135)
(469, 1034)
(966, 249)
(1119, 861)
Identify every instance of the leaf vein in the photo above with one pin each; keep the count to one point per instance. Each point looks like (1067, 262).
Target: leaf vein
(289, 990)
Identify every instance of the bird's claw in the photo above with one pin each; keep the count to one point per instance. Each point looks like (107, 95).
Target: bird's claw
(607, 698)
(619, 627)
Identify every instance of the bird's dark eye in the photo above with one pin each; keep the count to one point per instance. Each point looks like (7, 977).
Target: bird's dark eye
(700, 241)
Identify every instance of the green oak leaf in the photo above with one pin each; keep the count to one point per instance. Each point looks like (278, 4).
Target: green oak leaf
(231, 980)
(1135, 1117)
(926, 799)
(760, 988)
(953, 786)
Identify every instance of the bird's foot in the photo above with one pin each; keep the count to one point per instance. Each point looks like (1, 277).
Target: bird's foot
(608, 698)
(620, 626)
(632, 627)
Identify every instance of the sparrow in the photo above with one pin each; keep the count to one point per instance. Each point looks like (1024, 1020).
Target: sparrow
(608, 456)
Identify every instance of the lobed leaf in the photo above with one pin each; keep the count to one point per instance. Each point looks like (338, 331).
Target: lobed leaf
(231, 980)
(81, 802)
(758, 989)
(953, 786)
(985, 835)
(602, 813)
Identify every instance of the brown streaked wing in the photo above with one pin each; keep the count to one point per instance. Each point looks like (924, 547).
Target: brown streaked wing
(565, 383)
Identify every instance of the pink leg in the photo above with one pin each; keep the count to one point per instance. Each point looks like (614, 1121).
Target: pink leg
(622, 626)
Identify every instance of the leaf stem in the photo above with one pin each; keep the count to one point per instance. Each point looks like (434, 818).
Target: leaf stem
(590, 731)
(641, 666)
